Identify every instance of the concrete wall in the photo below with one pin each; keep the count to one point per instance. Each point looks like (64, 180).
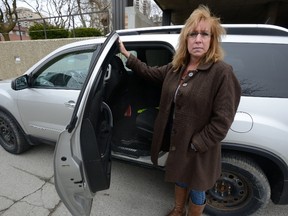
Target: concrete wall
(17, 56)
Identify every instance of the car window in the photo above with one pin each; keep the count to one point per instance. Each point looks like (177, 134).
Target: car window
(67, 71)
(260, 68)
(151, 54)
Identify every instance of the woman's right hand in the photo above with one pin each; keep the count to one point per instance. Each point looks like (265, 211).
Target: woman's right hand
(123, 49)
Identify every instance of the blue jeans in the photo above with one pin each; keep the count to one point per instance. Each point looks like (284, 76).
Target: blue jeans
(197, 197)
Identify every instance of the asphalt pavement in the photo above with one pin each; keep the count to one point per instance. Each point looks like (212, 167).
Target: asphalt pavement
(27, 189)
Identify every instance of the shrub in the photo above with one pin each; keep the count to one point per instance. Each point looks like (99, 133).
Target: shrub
(37, 31)
(86, 32)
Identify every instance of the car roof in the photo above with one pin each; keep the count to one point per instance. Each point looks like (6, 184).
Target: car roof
(235, 33)
(239, 29)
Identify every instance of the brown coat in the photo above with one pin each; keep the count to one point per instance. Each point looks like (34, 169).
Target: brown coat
(204, 110)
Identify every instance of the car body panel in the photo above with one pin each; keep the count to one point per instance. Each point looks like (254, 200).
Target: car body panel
(46, 112)
(82, 160)
(271, 125)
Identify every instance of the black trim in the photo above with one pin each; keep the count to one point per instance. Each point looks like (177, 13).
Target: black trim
(255, 31)
(261, 152)
(151, 30)
(17, 123)
(38, 141)
(283, 198)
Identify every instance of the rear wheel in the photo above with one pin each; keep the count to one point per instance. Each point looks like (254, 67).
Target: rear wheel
(12, 138)
(242, 188)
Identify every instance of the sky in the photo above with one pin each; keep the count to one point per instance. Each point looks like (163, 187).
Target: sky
(22, 4)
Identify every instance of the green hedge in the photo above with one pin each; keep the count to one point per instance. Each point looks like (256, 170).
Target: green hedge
(37, 31)
(86, 32)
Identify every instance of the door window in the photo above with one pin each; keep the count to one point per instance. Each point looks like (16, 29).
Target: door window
(67, 71)
(260, 68)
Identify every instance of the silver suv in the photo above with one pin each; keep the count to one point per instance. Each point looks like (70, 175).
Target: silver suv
(84, 90)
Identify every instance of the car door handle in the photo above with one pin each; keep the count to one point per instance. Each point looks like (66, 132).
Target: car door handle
(70, 104)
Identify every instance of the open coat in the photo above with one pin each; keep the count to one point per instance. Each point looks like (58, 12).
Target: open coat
(205, 106)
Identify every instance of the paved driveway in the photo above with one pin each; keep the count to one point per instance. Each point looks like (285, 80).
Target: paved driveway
(27, 188)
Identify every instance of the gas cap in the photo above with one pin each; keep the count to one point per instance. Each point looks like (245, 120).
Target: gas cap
(243, 122)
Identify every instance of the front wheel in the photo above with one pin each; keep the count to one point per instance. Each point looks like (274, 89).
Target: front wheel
(11, 137)
(242, 188)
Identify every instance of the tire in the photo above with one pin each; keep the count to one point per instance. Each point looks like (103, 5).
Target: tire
(12, 138)
(242, 188)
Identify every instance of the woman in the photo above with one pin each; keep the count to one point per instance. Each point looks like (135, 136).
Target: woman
(199, 99)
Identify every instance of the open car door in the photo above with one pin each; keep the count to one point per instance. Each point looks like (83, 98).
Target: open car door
(82, 158)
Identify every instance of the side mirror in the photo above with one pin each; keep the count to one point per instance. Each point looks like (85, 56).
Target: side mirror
(20, 83)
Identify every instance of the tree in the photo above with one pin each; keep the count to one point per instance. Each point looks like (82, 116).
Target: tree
(67, 13)
(98, 13)
(8, 17)
(59, 10)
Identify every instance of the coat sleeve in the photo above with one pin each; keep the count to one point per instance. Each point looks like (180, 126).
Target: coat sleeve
(154, 74)
(227, 98)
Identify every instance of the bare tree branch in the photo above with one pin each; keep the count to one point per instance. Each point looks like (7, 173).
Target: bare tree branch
(8, 17)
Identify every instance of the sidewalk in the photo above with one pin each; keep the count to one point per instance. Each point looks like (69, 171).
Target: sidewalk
(27, 188)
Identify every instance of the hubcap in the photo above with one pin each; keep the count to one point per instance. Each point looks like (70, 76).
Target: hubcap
(230, 190)
(6, 133)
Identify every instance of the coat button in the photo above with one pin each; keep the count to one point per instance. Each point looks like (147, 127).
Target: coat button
(172, 148)
(190, 74)
(184, 84)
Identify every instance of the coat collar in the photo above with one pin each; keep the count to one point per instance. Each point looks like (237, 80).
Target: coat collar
(205, 66)
(201, 67)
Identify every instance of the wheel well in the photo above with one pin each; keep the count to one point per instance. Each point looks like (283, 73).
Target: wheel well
(274, 168)
(2, 109)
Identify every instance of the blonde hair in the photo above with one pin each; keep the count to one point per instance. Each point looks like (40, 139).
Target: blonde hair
(215, 51)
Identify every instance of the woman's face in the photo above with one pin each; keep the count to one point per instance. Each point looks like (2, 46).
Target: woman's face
(198, 40)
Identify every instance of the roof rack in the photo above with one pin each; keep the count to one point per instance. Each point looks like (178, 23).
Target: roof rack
(151, 30)
(235, 29)
(255, 29)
